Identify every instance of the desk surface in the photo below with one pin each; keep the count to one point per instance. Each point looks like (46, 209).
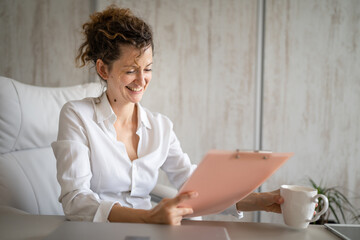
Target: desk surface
(250, 230)
(15, 225)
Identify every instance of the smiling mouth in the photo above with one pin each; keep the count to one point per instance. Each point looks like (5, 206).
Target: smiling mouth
(134, 89)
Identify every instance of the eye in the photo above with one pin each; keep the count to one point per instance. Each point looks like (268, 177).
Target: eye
(130, 72)
(148, 70)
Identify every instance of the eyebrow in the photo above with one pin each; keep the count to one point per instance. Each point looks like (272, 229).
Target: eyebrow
(126, 66)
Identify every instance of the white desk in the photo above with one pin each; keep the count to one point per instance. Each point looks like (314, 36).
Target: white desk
(15, 225)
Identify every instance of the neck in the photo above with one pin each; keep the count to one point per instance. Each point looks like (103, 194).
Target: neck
(125, 112)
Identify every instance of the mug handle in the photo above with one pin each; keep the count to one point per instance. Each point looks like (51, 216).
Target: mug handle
(325, 207)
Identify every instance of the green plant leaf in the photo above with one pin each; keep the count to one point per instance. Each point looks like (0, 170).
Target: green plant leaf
(340, 209)
(345, 199)
(334, 213)
(353, 212)
(356, 219)
(338, 202)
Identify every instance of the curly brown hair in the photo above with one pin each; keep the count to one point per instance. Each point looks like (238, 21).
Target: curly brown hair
(107, 31)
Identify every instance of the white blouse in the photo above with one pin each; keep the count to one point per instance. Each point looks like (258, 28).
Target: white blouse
(94, 170)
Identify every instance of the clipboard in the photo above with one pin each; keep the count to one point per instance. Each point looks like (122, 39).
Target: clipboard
(225, 177)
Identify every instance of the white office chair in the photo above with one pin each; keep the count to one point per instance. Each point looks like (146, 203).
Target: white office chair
(28, 124)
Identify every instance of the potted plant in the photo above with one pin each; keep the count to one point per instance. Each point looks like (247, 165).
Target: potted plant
(338, 203)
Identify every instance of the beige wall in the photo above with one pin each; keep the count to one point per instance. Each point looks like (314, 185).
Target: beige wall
(204, 74)
(312, 92)
(39, 40)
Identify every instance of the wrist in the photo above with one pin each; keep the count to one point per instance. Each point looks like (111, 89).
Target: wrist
(125, 214)
(249, 203)
(146, 216)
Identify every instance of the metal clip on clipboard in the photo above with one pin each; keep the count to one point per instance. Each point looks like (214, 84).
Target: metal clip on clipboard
(252, 151)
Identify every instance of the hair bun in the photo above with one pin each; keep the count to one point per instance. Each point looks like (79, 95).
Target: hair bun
(109, 29)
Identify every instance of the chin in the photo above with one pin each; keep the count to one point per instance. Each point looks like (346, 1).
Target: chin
(137, 100)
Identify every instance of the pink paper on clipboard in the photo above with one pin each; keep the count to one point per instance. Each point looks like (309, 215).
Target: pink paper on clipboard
(225, 177)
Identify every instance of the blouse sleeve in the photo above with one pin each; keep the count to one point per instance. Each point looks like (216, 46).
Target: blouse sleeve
(74, 173)
(177, 165)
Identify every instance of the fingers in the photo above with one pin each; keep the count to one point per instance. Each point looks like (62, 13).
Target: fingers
(276, 192)
(273, 208)
(175, 215)
(175, 221)
(183, 196)
(179, 212)
(272, 201)
(279, 199)
(184, 211)
(270, 198)
(168, 210)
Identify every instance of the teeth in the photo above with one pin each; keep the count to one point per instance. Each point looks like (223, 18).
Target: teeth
(135, 89)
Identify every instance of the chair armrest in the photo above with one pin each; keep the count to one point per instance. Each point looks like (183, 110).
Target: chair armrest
(11, 210)
(161, 191)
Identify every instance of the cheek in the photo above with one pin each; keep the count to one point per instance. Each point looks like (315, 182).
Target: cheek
(148, 78)
(124, 80)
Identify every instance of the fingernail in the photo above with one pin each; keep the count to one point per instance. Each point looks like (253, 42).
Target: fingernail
(194, 194)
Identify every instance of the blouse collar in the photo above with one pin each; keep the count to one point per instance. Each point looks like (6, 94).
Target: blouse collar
(104, 111)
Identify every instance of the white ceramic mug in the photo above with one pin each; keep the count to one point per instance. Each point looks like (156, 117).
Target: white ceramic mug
(299, 205)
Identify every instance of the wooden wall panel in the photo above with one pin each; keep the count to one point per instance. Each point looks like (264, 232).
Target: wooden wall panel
(312, 92)
(39, 40)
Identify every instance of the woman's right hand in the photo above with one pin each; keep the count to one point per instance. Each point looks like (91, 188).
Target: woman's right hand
(168, 212)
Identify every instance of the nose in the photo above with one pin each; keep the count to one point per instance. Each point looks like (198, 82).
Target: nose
(140, 78)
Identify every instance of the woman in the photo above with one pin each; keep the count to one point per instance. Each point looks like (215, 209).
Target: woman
(109, 149)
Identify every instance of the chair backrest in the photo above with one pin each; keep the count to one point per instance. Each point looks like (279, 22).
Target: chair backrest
(29, 118)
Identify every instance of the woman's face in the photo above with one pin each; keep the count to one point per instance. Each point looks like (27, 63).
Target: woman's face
(129, 76)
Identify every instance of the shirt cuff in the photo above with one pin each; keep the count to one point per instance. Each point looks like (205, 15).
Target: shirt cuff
(103, 211)
(233, 211)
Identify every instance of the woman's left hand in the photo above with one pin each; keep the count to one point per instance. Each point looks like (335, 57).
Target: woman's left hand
(266, 201)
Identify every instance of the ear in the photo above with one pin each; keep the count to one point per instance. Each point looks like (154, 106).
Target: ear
(102, 69)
